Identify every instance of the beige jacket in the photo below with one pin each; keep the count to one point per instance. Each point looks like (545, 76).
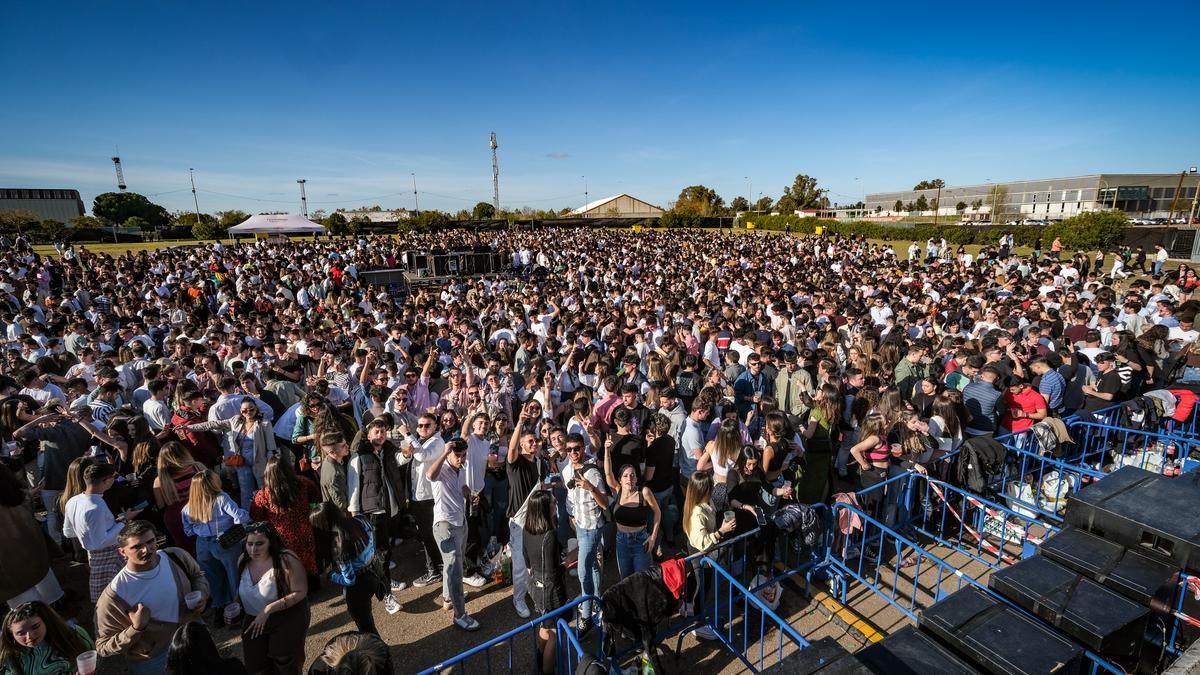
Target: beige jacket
(115, 635)
(702, 528)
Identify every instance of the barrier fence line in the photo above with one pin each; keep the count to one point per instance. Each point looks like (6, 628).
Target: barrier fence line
(736, 595)
(863, 560)
(568, 651)
(510, 638)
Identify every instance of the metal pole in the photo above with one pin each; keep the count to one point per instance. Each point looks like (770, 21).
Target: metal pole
(1195, 198)
(585, 196)
(195, 201)
(303, 198)
(1178, 189)
(937, 206)
(416, 202)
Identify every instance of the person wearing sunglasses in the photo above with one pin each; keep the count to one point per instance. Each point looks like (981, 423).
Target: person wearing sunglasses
(422, 449)
(448, 476)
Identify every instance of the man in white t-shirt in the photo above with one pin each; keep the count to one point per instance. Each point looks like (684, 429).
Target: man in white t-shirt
(447, 474)
(140, 609)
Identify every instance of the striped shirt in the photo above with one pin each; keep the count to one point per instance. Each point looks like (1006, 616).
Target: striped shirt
(981, 399)
(1051, 388)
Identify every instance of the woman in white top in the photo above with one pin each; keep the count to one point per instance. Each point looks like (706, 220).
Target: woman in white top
(946, 425)
(273, 590)
(721, 455)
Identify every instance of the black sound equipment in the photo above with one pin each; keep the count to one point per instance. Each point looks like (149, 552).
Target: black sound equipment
(1147, 512)
(905, 652)
(814, 658)
(1136, 576)
(998, 638)
(1106, 621)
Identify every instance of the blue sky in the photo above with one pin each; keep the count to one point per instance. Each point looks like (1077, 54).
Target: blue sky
(643, 98)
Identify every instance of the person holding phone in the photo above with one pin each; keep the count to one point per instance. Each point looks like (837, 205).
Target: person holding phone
(88, 519)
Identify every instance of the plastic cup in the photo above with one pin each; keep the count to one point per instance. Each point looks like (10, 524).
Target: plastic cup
(730, 516)
(193, 599)
(85, 663)
(232, 611)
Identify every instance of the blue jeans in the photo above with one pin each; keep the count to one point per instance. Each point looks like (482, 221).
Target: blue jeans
(247, 485)
(589, 564)
(1157, 267)
(670, 515)
(632, 555)
(153, 666)
(495, 522)
(220, 566)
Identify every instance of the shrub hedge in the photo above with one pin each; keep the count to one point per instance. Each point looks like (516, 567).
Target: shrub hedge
(1088, 231)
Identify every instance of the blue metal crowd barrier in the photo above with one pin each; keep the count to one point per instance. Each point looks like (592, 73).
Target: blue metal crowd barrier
(525, 630)
(724, 604)
(890, 565)
(984, 530)
(568, 651)
(1102, 446)
(1037, 485)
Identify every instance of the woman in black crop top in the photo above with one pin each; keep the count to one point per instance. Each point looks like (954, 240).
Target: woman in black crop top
(633, 509)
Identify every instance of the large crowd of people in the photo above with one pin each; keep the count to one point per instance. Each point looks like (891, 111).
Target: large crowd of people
(281, 424)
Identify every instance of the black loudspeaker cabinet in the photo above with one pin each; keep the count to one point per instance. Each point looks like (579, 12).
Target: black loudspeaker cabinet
(815, 658)
(1103, 620)
(1130, 573)
(1143, 511)
(998, 638)
(905, 652)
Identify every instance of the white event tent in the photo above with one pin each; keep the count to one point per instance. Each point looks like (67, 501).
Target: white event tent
(280, 223)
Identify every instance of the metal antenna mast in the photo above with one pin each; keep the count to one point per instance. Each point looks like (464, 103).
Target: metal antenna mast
(120, 176)
(495, 177)
(303, 198)
(192, 178)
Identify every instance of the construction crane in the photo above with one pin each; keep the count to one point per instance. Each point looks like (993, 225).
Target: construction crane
(495, 177)
(120, 176)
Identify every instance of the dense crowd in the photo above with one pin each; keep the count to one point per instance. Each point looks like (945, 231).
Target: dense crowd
(281, 424)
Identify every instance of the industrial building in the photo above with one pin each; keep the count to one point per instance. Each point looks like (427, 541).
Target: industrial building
(61, 205)
(617, 206)
(1147, 195)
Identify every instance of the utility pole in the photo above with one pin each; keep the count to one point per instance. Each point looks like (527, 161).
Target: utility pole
(416, 203)
(585, 196)
(937, 205)
(195, 201)
(120, 175)
(1195, 198)
(303, 199)
(1178, 190)
(495, 178)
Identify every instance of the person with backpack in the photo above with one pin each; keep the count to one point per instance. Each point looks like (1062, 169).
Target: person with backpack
(356, 566)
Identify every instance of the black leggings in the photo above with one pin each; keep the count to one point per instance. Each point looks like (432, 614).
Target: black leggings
(422, 511)
(382, 524)
(358, 602)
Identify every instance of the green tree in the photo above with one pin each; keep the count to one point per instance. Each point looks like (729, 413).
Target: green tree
(335, 224)
(139, 223)
(763, 204)
(700, 200)
(803, 193)
(930, 184)
(89, 223)
(483, 211)
(680, 219)
(357, 224)
(997, 199)
(17, 220)
(960, 207)
(184, 219)
(117, 207)
(231, 218)
(898, 207)
(739, 204)
(977, 203)
(52, 230)
(1087, 231)
(922, 203)
(429, 221)
(205, 230)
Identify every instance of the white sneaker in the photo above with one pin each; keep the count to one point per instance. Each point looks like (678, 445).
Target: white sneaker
(705, 633)
(398, 586)
(467, 622)
(522, 609)
(391, 604)
(475, 580)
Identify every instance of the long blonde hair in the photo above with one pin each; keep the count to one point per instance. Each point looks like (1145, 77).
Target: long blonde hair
(699, 490)
(75, 484)
(173, 458)
(206, 488)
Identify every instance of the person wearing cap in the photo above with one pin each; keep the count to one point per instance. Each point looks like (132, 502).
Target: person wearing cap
(87, 518)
